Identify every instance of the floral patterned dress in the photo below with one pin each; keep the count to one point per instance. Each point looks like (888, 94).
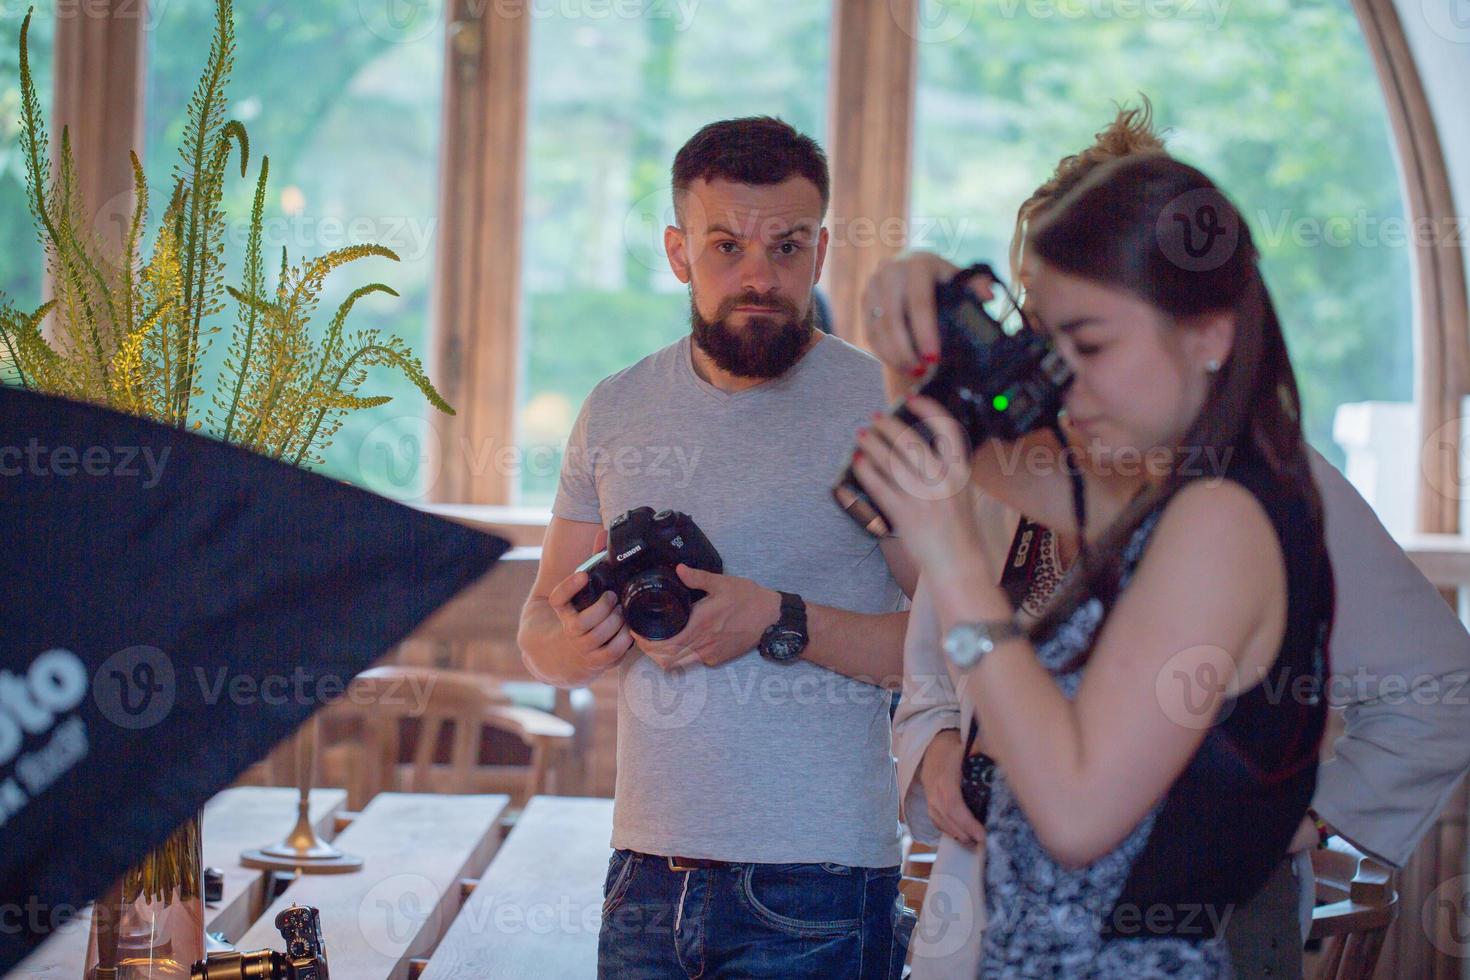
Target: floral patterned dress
(1046, 919)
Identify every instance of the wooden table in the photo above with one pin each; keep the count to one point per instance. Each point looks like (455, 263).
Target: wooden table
(234, 820)
(417, 849)
(1443, 558)
(536, 912)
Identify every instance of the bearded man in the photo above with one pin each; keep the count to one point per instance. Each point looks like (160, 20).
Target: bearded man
(755, 820)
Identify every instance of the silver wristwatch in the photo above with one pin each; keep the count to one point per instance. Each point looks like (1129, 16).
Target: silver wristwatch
(966, 643)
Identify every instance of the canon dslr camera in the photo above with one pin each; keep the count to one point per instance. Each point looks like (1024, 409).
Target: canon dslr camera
(996, 385)
(638, 567)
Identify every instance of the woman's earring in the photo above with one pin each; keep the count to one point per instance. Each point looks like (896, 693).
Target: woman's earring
(1212, 366)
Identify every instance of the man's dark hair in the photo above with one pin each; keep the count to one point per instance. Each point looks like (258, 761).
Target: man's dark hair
(750, 150)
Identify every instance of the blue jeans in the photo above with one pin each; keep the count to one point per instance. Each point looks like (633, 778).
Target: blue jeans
(746, 920)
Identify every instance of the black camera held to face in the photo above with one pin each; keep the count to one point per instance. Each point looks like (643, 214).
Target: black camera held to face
(305, 957)
(996, 385)
(638, 567)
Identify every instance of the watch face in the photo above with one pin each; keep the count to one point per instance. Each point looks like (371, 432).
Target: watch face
(966, 643)
(784, 645)
(965, 646)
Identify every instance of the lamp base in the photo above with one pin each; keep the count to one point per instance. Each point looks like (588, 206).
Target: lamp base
(302, 850)
(321, 859)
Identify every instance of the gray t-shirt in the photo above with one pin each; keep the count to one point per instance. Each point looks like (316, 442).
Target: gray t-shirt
(752, 760)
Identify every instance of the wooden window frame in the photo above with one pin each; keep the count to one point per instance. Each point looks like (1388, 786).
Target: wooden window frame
(874, 79)
(1441, 319)
(100, 67)
(1442, 345)
(476, 327)
(98, 70)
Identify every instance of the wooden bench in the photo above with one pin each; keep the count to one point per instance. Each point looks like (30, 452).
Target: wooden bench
(235, 819)
(417, 849)
(416, 908)
(536, 912)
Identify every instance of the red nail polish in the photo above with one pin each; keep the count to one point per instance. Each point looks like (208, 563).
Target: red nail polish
(857, 456)
(862, 432)
(917, 372)
(931, 358)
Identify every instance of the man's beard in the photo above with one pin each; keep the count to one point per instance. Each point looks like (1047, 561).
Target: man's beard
(765, 347)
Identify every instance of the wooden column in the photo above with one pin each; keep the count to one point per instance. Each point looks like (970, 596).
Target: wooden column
(477, 294)
(98, 79)
(1418, 943)
(97, 96)
(874, 56)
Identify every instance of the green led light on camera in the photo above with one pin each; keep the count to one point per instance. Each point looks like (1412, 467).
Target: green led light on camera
(1000, 403)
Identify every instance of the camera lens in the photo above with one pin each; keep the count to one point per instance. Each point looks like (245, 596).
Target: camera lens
(263, 964)
(656, 603)
(856, 503)
(853, 497)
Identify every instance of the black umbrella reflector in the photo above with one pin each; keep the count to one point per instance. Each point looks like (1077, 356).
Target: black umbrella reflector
(171, 607)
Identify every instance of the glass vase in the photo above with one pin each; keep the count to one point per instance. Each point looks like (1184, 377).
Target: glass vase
(150, 924)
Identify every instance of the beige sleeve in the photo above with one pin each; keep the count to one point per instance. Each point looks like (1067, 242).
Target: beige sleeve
(1401, 674)
(929, 703)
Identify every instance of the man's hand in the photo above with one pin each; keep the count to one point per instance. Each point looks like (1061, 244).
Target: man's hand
(725, 624)
(939, 773)
(598, 636)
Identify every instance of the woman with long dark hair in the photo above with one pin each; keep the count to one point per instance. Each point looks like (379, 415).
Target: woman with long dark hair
(1156, 732)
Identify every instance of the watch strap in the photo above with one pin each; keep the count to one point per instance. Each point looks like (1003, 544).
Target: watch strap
(1002, 629)
(793, 611)
(792, 620)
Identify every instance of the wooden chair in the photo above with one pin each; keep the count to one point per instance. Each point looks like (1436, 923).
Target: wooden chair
(913, 890)
(918, 862)
(422, 730)
(1356, 905)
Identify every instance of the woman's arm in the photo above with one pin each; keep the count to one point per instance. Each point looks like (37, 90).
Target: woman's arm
(1031, 476)
(1203, 616)
(1205, 610)
(928, 741)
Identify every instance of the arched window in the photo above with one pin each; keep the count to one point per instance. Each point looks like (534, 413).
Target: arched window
(1278, 102)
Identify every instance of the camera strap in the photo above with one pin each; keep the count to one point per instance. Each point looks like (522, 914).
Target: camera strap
(1015, 579)
(1073, 466)
(1025, 551)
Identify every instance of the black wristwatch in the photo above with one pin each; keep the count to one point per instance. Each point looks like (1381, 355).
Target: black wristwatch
(784, 641)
